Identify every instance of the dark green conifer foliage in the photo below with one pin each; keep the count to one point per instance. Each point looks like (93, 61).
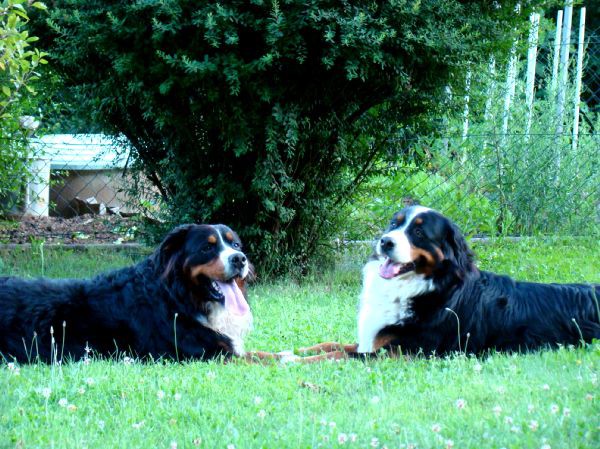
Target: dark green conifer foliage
(265, 115)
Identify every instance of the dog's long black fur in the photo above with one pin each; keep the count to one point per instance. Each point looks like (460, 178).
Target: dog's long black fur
(477, 311)
(148, 310)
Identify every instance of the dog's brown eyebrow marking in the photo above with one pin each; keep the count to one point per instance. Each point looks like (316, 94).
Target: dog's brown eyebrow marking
(212, 239)
(418, 220)
(400, 219)
(229, 236)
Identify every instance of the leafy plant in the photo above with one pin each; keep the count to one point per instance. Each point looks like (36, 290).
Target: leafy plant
(19, 64)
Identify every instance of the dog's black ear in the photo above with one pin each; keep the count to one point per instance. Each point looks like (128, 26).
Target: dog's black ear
(166, 254)
(457, 250)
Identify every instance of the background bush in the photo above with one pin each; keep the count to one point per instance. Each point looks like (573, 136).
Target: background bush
(266, 115)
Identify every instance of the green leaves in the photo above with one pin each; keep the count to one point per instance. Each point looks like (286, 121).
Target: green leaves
(257, 113)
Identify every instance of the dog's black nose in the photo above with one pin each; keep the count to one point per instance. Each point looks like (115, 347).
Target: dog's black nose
(387, 244)
(238, 260)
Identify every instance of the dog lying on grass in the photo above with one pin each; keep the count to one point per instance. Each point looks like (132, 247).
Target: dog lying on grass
(185, 301)
(422, 293)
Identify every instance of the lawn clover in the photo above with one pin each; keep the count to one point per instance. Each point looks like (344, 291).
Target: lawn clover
(101, 424)
(46, 392)
(230, 446)
(63, 402)
(374, 442)
(533, 425)
(554, 409)
(508, 420)
(173, 445)
(332, 424)
(160, 395)
(589, 397)
(257, 400)
(81, 390)
(197, 441)
(90, 381)
(530, 408)
(71, 407)
(497, 410)
(477, 367)
(515, 429)
(375, 400)
(210, 375)
(449, 444)
(566, 411)
(546, 446)
(177, 396)
(261, 414)
(138, 425)
(460, 404)
(353, 437)
(342, 438)
(546, 387)
(436, 428)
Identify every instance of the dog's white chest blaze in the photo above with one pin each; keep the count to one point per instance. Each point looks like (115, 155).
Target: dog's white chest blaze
(236, 327)
(384, 302)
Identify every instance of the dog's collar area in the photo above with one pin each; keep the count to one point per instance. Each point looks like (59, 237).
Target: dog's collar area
(390, 269)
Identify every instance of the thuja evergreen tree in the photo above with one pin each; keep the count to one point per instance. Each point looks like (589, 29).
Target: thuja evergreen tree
(266, 114)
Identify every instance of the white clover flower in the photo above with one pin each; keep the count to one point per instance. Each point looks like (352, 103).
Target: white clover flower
(342, 438)
(460, 404)
(515, 429)
(160, 395)
(508, 420)
(177, 396)
(101, 424)
(530, 408)
(46, 392)
(497, 410)
(230, 446)
(477, 367)
(353, 437)
(566, 411)
(261, 414)
(554, 409)
(257, 400)
(375, 400)
(197, 441)
(449, 444)
(173, 445)
(533, 425)
(436, 428)
(589, 397)
(90, 381)
(138, 425)
(210, 375)
(545, 387)
(81, 390)
(332, 424)
(71, 407)
(374, 442)
(63, 402)
(546, 446)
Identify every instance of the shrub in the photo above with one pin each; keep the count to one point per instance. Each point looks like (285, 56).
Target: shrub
(265, 115)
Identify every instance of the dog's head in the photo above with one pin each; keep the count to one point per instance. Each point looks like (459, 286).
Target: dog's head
(423, 241)
(208, 260)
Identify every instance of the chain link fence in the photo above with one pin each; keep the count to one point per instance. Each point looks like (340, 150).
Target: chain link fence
(521, 157)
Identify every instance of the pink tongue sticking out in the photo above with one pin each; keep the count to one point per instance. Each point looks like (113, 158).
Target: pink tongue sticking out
(389, 269)
(234, 298)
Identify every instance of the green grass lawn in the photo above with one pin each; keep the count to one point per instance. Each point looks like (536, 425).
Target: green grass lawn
(540, 400)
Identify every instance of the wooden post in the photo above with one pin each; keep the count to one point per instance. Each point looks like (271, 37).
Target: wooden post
(531, 62)
(556, 57)
(564, 69)
(576, 99)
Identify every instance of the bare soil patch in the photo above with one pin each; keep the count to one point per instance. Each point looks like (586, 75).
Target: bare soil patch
(92, 229)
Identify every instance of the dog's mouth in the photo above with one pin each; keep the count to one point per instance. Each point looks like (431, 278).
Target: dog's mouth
(229, 294)
(390, 269)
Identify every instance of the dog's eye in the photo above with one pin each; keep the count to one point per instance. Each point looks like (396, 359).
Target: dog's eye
(207, 247)
(236, 245)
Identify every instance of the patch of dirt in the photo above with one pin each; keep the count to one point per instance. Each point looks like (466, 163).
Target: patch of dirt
(77, 230)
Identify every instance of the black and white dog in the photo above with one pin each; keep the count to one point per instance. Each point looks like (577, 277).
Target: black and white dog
(186, 301)
(423, 293)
